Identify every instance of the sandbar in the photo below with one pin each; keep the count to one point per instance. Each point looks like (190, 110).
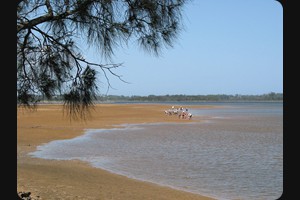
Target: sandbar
(73, 179)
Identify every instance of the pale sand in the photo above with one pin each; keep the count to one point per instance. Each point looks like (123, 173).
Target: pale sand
(51, 179)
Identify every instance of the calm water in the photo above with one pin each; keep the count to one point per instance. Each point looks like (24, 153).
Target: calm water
(233, 152)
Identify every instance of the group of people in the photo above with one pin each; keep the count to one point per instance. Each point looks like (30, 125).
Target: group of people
(182, 113)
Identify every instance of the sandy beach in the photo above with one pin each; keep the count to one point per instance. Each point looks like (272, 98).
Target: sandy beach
(49, 179)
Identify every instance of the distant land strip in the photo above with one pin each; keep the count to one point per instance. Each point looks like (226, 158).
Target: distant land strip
(272, 96)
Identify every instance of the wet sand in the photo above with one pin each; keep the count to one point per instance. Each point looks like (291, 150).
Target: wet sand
(51, 179)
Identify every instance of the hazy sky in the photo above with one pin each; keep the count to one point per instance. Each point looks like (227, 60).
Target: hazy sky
(226, 47)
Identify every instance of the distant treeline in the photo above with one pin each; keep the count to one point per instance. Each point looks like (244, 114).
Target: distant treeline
(181, 97)
(272, 96)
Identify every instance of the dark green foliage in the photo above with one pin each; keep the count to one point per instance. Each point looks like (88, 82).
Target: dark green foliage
(195, 98)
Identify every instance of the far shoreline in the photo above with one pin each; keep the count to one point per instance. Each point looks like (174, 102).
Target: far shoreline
(53, 102)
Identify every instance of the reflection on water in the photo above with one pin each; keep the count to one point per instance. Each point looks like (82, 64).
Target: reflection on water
(235, 153)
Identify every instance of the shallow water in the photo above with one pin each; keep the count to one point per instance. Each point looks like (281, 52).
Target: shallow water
(234, 152)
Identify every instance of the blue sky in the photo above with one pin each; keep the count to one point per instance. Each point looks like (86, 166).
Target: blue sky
(226, 47)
